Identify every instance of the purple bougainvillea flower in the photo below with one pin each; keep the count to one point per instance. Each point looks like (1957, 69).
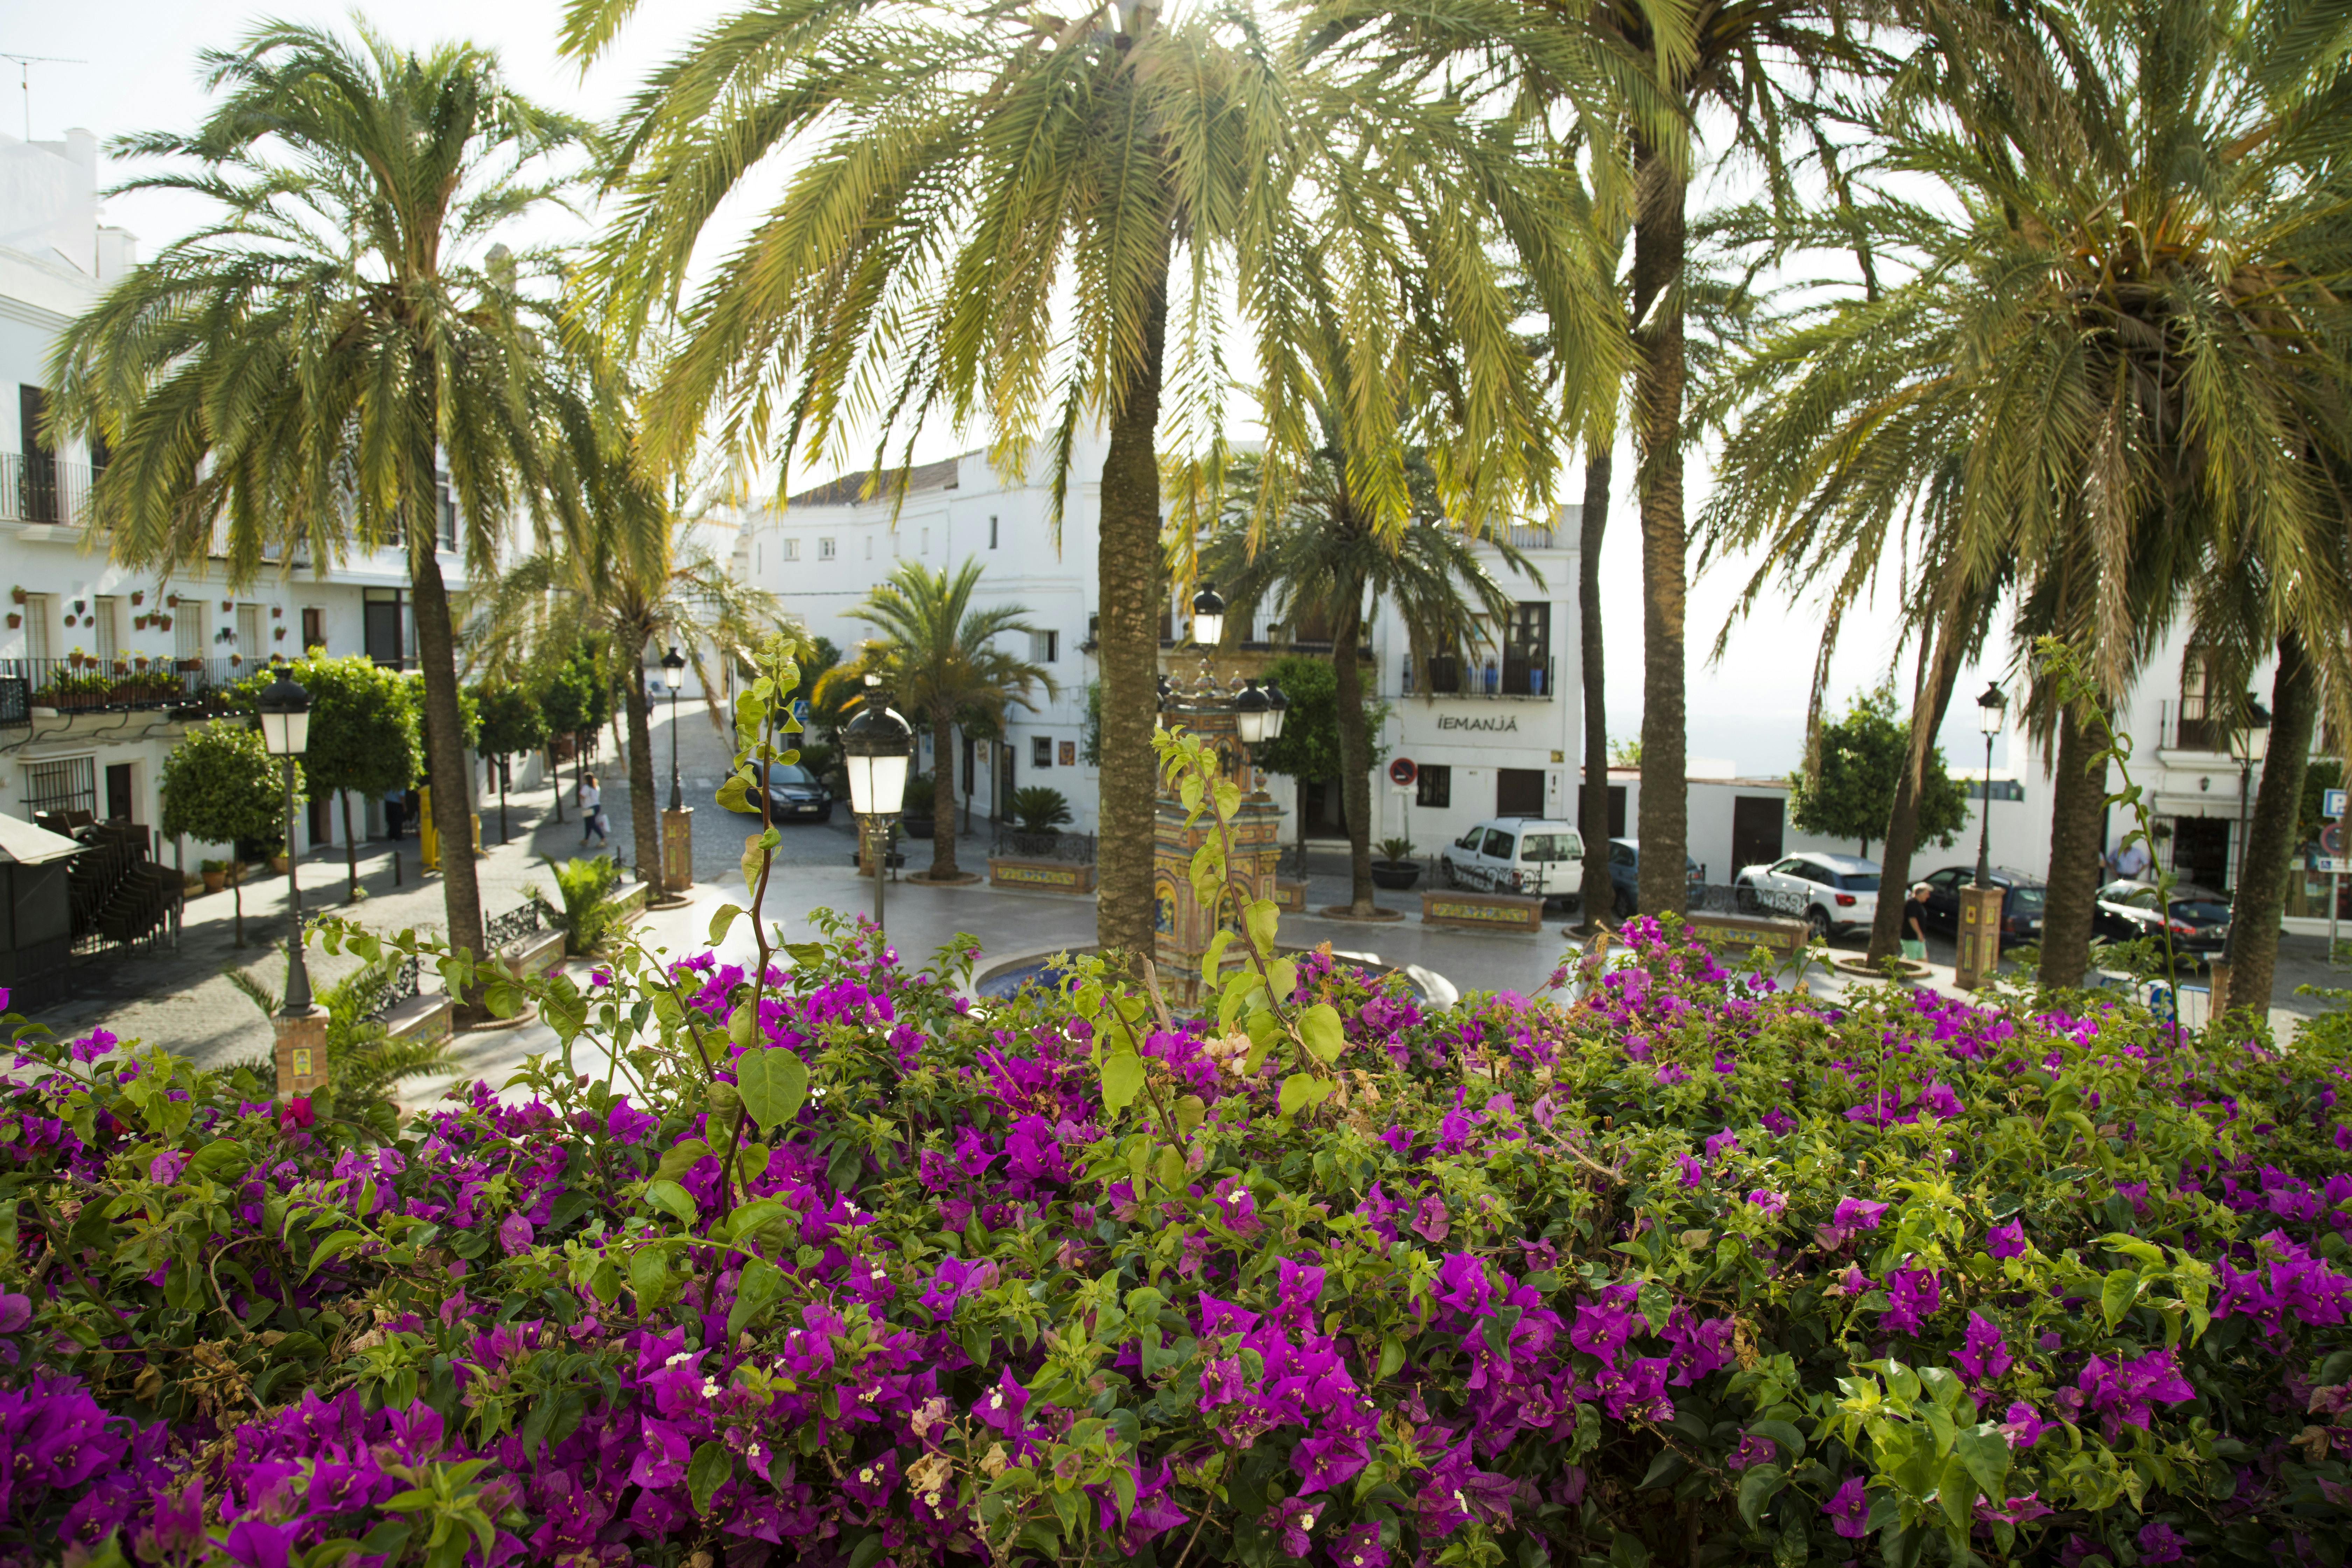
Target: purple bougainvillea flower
(1848, 1507)
(1296, 1518)
(1778, 1122)
(1912, 1297)
(2016, 1510)
(1754, 1450)
(2006, 1240)
(1774, 1204)
(296, 1112)
(15, 1311)
(2161, 1543)
(1852, 1282)
(1430, 1220)
(1985, 1354)
(251, 1544)
(1602, 1326)
(2126, 1392)
(165, 1168)
(1358, 1546)
(515, 1234)
(1694, 1174)
(1857, 1215)
(92, 1046)
(1721, 1143)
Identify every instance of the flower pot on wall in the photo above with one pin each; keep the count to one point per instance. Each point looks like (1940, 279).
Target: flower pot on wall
(15, 620)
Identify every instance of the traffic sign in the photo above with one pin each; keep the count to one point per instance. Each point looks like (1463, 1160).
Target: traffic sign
(2331, 839)
(1401, 772)
(2333, 865)
(801, 709)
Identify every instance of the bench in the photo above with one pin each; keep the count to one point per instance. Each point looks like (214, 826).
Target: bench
(1460, 911)
(1042, 876)
(426, 1016)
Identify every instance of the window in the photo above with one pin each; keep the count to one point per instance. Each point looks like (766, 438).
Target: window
(1045, 647)
(1622, 855)
(385, 627)
(188, 629)
(1040, 751)
(1468, 841)
(40, 479)
(119, 807)
(991, 532)
(36, 629)
(1434, 786)
(792, 550)
(1527, 651)
(314, 629)
(248, 632)
(824, 549)
(67, 784)
(1945, 880)
(1498, 844)
(448, 514)
(106, 628)
(1548, 848)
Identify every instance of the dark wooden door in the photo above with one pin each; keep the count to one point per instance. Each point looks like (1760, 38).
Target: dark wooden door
(117, 792)
(1518, 792)
(1756, 823)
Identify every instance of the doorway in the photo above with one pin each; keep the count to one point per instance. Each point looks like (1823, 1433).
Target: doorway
(1756, 827)
(2200, 851)
(1518, 792)
(118, 792)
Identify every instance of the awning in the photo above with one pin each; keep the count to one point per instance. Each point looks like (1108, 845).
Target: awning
(23, 844)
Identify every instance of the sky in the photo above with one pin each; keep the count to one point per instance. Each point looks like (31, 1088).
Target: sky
(139, 70)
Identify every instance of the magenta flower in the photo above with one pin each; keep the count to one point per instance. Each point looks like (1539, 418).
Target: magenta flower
(515, 1234)
(1857, 1215)
(2162, 1543)
(1754, 1450)
(1778, 1122)
(1694, 1174)
(1848, 1507)
(1912, 1297)
(1721, 1143)
(2006, 1240)
(1358, 1546)
(15, 1311)
(2126, 1392)
(2024, 1425)
(1985, 1355)
(1852, 1282)
(165, 1168)
(1774, 1204)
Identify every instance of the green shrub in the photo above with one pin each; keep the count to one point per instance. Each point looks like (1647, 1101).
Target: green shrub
(588, 919)
(1038, 809)
(921, 794)
(1395, 849)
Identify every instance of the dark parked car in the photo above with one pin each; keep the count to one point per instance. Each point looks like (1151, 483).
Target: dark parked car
(2127, 911)
(796, 795)
(2020, 905)
(1625, 875)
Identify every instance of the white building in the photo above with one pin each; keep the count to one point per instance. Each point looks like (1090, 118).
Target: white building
(102, 666)
(1488, 739)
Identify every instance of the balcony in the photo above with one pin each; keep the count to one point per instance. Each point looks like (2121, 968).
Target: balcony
(125, 685)
(37, 488)
(2183, 725)
(1513, 678)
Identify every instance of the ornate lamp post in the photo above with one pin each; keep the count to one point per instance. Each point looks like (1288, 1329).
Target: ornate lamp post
(300, 1025)
(1208, 619)
(1992, 715)
(674, 664)
(876, 747)
(2249, 743)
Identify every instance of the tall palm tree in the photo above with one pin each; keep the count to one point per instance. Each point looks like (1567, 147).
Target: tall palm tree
(2102, 380)
(1641, 73)
(1046, 225)
(346, 352)
(938, 656)
(1325, 558)
(640, 578)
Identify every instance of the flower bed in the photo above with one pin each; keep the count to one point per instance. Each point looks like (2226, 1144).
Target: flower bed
(1688, 1261)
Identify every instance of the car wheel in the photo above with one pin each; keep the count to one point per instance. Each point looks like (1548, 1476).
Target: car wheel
(1817, 924)
(1624, 905)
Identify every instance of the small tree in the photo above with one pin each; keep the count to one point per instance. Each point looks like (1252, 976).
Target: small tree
(221, 786)
(512, 725)
(363, 733)
(1852, 789)
(575, 697)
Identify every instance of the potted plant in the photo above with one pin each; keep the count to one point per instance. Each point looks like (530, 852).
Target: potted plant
(279, 634)
(1038, 813)
(227, 605)
(214, 873)
(15, 620)
(920, 797)
(17, 596)
(172, 603)
(138, 597)
(163, 623)
(1394, 869)
(279, 859)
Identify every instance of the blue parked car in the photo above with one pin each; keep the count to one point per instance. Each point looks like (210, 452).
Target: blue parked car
(1625, 873)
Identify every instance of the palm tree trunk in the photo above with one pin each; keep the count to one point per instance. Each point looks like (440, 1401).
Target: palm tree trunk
(1903, 820)
(2076, 801)
(944, 823)
(1355, 747)
(645, 815)
(444, 749)
(2260, 897)
(1659, 374)
(1594, 808)
(351, 847)
(1129, 567)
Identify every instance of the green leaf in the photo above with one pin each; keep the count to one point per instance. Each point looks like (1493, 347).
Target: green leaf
(724, 915)
(743, 1024)
(1985, 1452)
(1122, 1080)
(735, 794)
(1662, 1470)
(1757, 1487)
(1956, 1488)
(680, 1158)
(1171, 1171)
(1325, 1035)
(2116, 1294)
(649, 1278)
(1190, 1113)
(1281, 978)
(1302, 1089)
(774, 1084)
(334, 1247)
(1792, 1442)
(760, 1284)
(710, 1469)
(672, 1200)
(1391, 1357)
(1260, 917)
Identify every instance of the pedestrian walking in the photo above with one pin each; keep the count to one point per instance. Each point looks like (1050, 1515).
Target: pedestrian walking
(591, 812)
(1914, 924)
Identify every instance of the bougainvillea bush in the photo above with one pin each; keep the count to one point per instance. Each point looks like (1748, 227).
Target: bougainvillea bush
(824, 1263)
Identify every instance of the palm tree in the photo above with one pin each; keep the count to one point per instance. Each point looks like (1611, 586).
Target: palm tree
(1321, 559)
(2102, 381)
(344, 357)
(638, 579)
(1641, 73)
(937, 655)
(995, 216)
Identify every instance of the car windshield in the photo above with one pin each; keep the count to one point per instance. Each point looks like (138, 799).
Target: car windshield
(2025, 900)
(790, 774)
(2200, 909)
(1550, 847)
(1858, 881)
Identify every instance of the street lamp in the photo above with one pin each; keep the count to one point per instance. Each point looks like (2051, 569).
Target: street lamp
(2249, 743)
(1208, 617)
(285, 735)
(674, 665)
(876, 747)
(1992, 713)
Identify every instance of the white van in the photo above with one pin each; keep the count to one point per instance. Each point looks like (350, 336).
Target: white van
(1517, 855)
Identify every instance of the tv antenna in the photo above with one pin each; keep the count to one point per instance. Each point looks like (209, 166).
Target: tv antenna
(24, 63)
